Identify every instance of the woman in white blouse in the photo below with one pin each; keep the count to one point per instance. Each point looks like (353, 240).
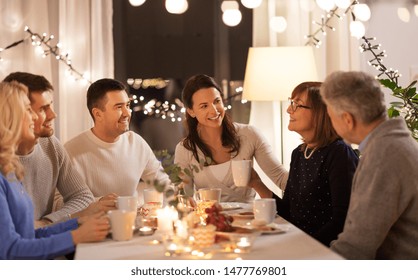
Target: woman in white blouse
(212, 134)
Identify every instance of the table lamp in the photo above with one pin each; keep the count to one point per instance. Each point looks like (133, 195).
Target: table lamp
(273, 72)
(271, 75)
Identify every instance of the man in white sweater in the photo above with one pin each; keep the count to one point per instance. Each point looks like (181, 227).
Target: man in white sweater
(48, 168)
(111, 158)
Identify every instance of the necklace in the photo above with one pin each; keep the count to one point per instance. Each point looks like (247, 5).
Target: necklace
(310, 154)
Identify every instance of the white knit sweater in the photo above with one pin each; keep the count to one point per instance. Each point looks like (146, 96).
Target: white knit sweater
(114, 167)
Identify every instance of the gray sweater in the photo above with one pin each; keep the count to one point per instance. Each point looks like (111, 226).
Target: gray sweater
(48, 168)
(382, 219)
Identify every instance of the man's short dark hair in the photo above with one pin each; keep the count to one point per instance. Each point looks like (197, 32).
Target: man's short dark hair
(34, 83)
(96, 94)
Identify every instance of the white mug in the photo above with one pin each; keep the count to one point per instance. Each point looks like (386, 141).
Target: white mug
(122, 224)
(241, 172)
(265, 210)
(152, 195)
(128, 203)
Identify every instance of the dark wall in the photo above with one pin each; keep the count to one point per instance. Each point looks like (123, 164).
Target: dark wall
(150, 42)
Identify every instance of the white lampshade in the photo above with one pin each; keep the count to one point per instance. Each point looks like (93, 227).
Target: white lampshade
(273, 72)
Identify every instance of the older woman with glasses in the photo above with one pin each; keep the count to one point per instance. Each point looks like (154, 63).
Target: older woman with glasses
(318, 190)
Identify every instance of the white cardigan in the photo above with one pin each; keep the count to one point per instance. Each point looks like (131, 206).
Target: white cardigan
(253, 145)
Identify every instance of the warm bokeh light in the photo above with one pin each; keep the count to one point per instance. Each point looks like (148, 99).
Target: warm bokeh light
(362, 12)
(251, 4)
(232, 17)
(278, 24)
(343, 4)
(357, 29)
(326, 5)
(136, 3)
(404, 15)
(176, 6)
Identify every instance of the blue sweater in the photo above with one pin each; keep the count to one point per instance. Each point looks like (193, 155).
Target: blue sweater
(318, 190)
(18, 239)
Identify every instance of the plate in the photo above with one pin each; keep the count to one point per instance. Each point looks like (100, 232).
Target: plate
(236, 231)
(247, 215)
(272, 229)
(228, 206)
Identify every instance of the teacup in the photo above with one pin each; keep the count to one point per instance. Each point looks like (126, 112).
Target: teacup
(151, 195)
(122, 224)
(241, 172)
(265, 210)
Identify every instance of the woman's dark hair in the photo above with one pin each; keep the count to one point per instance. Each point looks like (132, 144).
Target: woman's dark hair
(324, 132)
(192, 141)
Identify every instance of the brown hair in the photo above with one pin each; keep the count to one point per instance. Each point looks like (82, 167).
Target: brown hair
(192, 141)
(324, 133)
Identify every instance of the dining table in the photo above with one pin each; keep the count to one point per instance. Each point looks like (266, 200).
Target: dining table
(286, 243)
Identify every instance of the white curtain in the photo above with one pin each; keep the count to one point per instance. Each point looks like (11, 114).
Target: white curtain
(83, 27)
(339, 51)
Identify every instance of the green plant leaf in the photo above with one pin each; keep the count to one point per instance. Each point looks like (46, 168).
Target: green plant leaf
(397, 104)
(410, 92)
(392, 112)
(388, 83)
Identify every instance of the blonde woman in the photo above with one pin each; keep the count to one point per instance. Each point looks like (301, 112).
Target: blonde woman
(18, 238)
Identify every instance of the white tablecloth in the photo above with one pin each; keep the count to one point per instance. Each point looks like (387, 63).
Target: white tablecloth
(291, 245)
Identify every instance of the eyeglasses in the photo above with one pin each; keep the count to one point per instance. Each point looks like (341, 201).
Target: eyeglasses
(294, 106)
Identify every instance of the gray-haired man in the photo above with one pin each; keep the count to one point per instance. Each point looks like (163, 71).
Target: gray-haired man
(382, 219)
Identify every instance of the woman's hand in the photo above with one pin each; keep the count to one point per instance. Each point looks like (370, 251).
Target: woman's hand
(93, 228)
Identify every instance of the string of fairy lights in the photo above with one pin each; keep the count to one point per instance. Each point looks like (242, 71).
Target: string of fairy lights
(377, 59)
(324, 24)
(44, 46)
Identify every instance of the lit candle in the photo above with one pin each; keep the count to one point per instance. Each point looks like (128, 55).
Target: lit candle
(145, 231)
(243, 243)
(181, 229)
(166, 216)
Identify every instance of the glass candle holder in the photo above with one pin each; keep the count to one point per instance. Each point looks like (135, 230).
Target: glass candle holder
(173, 245)
(203, 236)
(243, 243)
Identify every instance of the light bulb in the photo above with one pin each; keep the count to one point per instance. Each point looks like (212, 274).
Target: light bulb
(176, 6)
(278, 24)
(362, 12)
(404, 15)
(136, 3)
(343, 4)
(326, 5)
(416, 10)
(357, 29)
(232, 17)
(251, 4)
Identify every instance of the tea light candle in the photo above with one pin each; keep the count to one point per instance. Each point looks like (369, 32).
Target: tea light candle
(145, 231)
(243, 243)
